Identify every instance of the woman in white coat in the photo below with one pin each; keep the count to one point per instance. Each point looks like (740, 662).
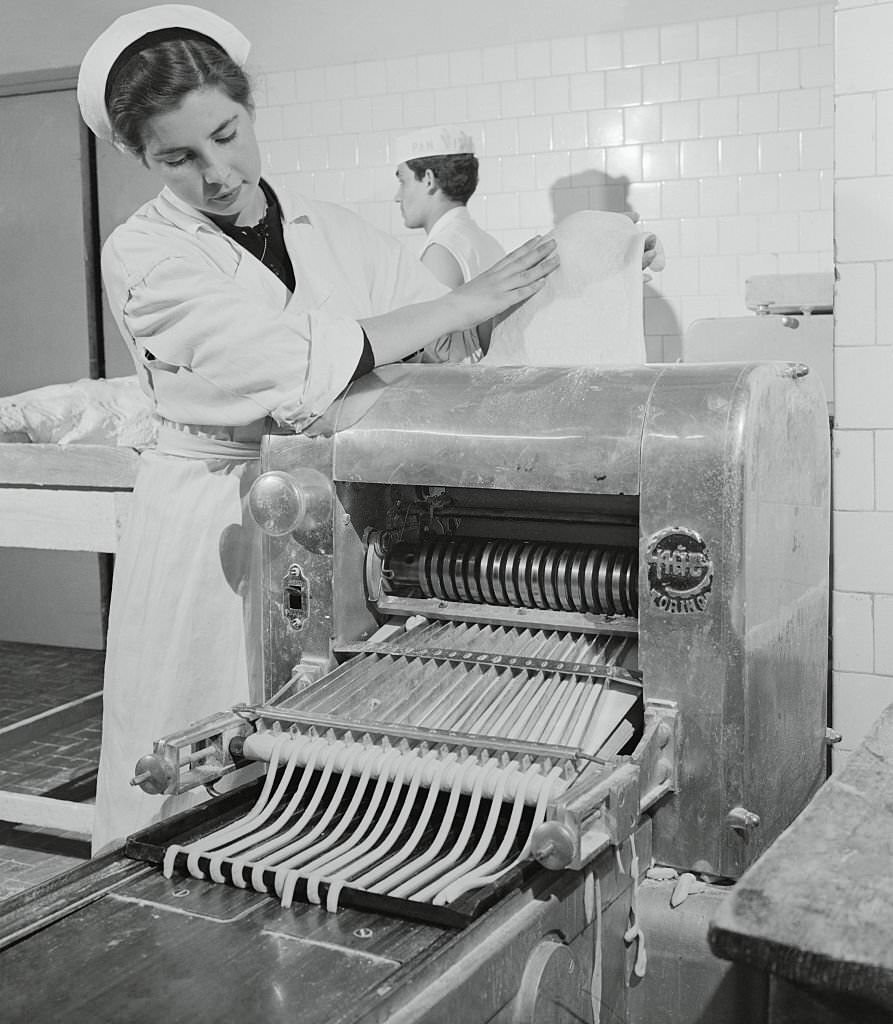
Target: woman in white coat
(238, 305)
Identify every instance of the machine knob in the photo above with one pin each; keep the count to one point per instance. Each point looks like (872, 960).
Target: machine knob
(277, 504)
(742, 818)
(153, 774)
(796, 370)
(553, 845)
(299, 502)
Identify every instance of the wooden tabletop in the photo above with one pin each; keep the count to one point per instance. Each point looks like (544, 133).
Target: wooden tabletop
(817, 908)
(73, 465)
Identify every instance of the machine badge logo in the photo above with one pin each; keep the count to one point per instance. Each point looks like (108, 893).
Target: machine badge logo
(680, 571)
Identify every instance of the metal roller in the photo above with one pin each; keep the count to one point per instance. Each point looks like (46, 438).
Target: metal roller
(525, 574)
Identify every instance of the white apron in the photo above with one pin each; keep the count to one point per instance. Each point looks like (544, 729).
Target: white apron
(208, 659)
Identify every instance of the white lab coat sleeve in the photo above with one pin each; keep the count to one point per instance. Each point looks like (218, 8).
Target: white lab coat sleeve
(290, 363)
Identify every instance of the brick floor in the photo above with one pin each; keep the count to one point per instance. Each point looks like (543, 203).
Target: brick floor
(60, 762)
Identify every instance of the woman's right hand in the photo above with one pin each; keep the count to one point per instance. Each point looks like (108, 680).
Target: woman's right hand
(513, 279)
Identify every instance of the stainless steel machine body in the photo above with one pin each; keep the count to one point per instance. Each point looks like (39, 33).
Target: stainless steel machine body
(717, 478)
(513, 549)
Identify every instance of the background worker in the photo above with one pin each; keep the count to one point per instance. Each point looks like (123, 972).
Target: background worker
(437, 173)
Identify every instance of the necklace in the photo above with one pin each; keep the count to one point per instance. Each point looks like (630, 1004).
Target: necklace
(264, 240)
(255, 238)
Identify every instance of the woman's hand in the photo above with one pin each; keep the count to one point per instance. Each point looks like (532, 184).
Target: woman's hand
(513, 279)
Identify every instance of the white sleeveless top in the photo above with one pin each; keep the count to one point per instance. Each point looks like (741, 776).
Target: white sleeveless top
(472, 248)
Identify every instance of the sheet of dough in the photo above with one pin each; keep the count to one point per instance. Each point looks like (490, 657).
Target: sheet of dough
(590, 310)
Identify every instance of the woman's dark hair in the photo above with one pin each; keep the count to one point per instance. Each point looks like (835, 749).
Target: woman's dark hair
(155, 78)
(456, 175)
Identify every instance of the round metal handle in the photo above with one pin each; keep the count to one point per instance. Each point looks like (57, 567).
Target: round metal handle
(796, 370)
(152, 774)
(742, 818)
(553, 845)
(298, 503)
(276, 503)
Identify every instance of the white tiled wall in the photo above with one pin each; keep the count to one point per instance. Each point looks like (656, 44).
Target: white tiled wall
(863, 369)
(717, 132)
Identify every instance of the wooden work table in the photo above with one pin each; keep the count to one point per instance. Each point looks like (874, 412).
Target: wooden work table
(68, 498)
(65, 497)
(816, 910)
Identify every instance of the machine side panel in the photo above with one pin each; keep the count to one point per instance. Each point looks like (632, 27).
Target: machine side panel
(733, 616)
(289, 640)
(784, 614)
(685, 641)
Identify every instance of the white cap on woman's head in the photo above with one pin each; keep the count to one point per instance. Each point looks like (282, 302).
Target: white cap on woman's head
(443, 140)
(126, 30)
